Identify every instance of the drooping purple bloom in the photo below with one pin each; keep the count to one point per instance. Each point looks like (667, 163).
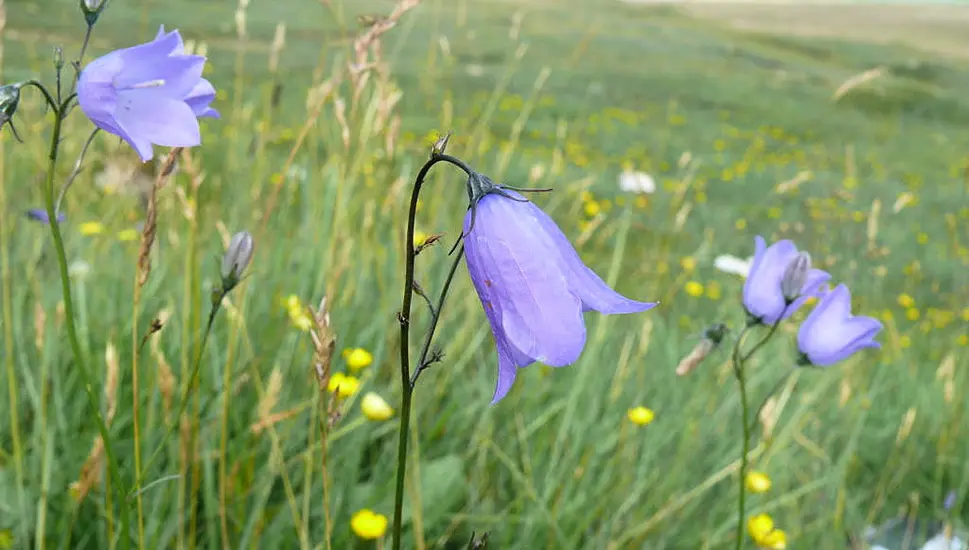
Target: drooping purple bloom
(532, 284)
(763, 296)
(830, 333)
(148, 94)
(40, 215)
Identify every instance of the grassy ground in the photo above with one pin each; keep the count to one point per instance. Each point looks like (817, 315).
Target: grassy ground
(725, 118)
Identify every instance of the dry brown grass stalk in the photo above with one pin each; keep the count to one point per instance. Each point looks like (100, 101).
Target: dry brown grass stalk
(151, 217)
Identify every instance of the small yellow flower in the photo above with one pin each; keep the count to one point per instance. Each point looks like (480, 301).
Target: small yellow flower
(91, 228)
(963, 340)
(757, 482)
(905, 341)
(357, 358)
(965, 314)
(375, 408)
(905, 301)
(714, 291)
(343, 385)
(740, 224)
(694, 289)
(592, 209)
(760, 526)
(127, 235)
(640, 415)
(912, 314)
(368, 524)
(688, 264)
(775, 540)
(419, 237)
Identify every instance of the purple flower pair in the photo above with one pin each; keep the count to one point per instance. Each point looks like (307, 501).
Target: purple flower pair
(830, 333)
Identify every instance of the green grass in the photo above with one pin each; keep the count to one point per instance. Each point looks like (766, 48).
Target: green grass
(720, 117)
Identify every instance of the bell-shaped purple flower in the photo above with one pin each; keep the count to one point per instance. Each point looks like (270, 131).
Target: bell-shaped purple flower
(148, 94)
(830, 333)
(532, 284)
(763, 294)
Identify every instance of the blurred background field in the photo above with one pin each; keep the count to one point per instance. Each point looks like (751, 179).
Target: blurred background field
(844, 129)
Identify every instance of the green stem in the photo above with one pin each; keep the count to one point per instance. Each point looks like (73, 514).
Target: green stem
(738, 368)
(113, 471)
(188, 389)
(407, 383)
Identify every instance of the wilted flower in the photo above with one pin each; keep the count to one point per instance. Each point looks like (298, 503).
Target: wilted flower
(40, 214)
(830, 333)
(148, 94)
(358, 358)
(368, 524)
(531, 282)
(640, 415)
(757, 482)
(375, 408)
(236, 259)
(763, 296)
(712, 337)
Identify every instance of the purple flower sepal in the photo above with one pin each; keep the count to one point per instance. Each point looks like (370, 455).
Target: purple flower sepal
(148, 94)
(763, 297)
(831, 333)
(40, 215)
(532, 284)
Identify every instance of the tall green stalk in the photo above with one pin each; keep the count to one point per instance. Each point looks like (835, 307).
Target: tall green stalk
(79, 360)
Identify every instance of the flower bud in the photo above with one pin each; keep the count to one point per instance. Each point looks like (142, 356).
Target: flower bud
(440, 146)
(236, 259)
(58, 58)
(9, 100)
(795, 276)
(92, 10)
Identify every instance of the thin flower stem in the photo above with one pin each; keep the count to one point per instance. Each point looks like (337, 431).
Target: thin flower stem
(738, 367)
(407, 387)
(49, 98)
(435, 317)
(188, 389)
(770, 394)
(78, 354)
(76, 170)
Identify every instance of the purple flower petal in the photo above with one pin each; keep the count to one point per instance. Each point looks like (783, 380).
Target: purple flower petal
(532, 285)
(763, 296)
(831, 334)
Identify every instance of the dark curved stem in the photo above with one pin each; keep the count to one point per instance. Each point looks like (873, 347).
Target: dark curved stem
(403, 317)
(422, 362)
(54, 105)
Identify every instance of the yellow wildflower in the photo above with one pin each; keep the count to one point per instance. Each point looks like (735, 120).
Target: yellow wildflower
(368, 524)
(905, 341)
(757, 482)
(640, 415)
(688, 264)
(714, 292)
(963, 340)
(694, 289)
(375, 408)
(343, 385)
(912, 314)
(91, 228)
(775, 540)
(760, 526)
(592, 209)
(357, 358)
(905, 300)
(127, 235)
(419, 237)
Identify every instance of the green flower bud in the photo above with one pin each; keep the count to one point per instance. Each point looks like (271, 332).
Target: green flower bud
(92, 10)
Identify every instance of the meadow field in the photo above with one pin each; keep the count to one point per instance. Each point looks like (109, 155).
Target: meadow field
(751, 122)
